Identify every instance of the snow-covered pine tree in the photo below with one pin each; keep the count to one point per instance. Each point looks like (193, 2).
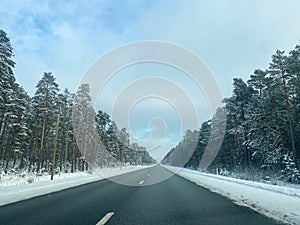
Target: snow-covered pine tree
(44, 104)
(293, 68)
(7, 82)
(65, 141)
(278, 69)
(84, 124)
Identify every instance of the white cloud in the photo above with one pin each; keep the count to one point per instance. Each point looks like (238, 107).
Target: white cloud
(65, 37)
(233, 37)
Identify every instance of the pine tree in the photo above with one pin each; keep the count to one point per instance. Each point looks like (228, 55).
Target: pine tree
(279, 71)
(7, 78)
(83, 123)
(262, 123)
(65, 100)
(293, 68)
(7, 85)
(204, 134)
(45, 114)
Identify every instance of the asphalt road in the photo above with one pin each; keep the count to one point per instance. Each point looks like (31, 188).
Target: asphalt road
(174, 201)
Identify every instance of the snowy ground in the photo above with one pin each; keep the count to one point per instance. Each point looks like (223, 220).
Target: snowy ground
(19, 187)
(279, 202)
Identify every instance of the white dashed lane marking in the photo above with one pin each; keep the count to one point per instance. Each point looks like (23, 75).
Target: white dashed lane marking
(141, 182)
(105, 218)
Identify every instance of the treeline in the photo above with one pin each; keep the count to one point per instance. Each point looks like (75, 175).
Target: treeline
(28, 125)
(263, 124)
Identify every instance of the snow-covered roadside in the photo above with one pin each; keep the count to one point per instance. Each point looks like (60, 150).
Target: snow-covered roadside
(16, 189)
(278, 202)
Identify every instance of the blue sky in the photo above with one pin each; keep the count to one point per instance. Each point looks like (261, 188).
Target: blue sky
(65, 37)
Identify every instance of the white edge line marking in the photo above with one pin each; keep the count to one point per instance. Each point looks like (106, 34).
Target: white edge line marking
(141, 182)
(105, 218)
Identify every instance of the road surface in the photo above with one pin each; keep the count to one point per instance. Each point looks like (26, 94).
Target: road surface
(175, 201)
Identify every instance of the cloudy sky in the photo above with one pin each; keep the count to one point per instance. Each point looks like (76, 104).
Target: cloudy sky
(66, 37)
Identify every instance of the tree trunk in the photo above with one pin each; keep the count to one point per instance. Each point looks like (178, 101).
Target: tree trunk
(2, 156)
(40, 162)
(33, 152)
(54, 149)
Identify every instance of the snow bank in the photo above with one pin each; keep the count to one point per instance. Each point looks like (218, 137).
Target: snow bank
(15, 188)
(279, 202)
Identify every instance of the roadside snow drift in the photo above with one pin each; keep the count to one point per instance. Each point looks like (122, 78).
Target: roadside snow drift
(16, 188)
(279, 202)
